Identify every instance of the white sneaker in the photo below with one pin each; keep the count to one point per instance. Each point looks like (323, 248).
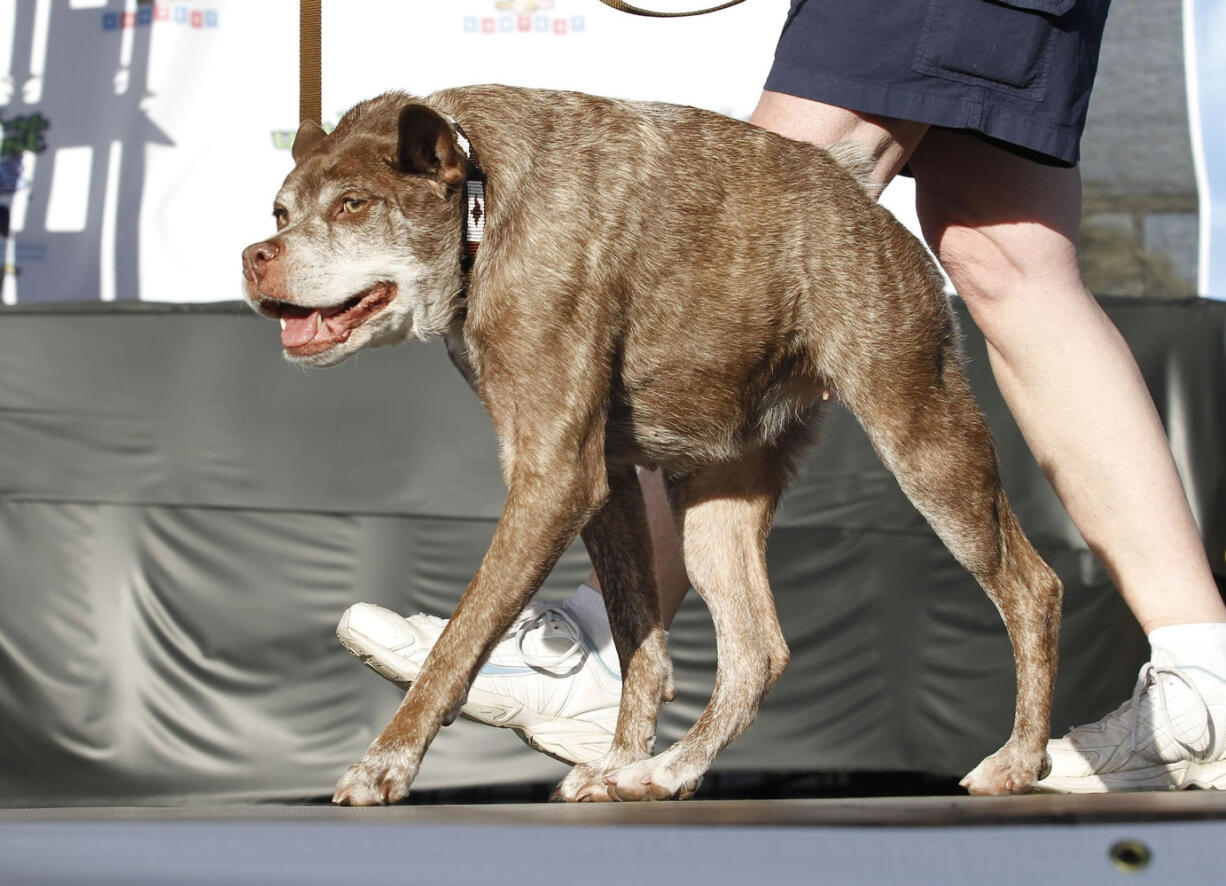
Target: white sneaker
(1170, 735)
(544, 679)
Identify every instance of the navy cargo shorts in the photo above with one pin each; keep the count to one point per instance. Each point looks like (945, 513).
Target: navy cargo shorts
(1018, 72)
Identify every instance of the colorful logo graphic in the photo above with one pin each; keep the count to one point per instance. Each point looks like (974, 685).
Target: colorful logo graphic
(524, 17)
(156, 13)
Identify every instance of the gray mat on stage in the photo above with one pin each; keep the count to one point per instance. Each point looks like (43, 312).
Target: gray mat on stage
(1168, 837)
(183, 518)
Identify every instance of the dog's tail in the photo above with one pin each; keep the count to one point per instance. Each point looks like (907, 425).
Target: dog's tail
(859, 162)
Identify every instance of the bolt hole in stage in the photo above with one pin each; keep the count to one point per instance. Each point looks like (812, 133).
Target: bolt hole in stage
(1130, 856)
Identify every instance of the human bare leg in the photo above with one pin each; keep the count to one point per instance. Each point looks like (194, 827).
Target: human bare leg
(1005, 230)
(672, 581)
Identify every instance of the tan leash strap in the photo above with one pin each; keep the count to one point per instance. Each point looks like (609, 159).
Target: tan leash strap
(636, 10)
(310, 101)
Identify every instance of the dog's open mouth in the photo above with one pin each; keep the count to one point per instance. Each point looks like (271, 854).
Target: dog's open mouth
(307, 331)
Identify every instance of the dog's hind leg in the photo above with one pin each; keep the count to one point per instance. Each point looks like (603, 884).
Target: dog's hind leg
(918, 410)
(726, 513)
(619, 544)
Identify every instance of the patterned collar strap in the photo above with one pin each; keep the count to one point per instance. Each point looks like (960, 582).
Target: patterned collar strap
(474, 215)
(474, 198)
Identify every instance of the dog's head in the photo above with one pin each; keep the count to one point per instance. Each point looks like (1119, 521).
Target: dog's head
(368, 244)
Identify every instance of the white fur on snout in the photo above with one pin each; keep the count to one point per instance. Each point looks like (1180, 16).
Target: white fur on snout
(325, 269)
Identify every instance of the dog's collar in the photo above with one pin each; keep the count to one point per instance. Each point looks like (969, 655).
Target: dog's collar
(474, 198)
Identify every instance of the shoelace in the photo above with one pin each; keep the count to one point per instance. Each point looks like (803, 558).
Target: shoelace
(1150, 673)
(553, 622)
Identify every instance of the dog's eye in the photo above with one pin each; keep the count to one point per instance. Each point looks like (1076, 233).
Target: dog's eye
(353, 204)
(281, 216)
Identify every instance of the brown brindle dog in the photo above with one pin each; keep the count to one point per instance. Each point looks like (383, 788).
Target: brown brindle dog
(660, 286)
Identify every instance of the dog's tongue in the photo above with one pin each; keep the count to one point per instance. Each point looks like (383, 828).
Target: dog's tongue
(301, 324)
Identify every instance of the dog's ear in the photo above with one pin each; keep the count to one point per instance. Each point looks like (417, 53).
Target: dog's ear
(309, 135)
(428, 146)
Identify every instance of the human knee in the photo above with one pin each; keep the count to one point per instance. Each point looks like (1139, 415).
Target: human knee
(979, 268)
(999, 269)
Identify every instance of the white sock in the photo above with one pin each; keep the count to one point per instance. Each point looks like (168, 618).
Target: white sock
(1191, 645)
(586, 607)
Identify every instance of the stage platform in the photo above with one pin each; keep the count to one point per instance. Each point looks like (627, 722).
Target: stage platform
(1037, 839)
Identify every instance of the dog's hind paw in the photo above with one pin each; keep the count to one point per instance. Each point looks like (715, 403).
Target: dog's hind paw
(378, 779)
(1009, 771)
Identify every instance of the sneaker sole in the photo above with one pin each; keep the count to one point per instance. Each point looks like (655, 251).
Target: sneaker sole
(563, 738)
(1205, 776)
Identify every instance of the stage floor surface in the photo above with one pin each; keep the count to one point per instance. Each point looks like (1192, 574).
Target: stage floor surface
(1177, 838)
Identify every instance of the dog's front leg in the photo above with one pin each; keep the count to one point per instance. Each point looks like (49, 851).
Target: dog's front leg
(548, 502)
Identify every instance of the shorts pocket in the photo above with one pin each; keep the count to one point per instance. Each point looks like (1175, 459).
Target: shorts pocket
(1002, 45)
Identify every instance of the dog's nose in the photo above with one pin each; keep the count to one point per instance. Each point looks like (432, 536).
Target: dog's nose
(256, 258)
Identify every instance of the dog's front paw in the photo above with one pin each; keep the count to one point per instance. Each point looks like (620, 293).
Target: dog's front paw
(1010, 770)
(585, 783)
(381, 777)
(657, 778)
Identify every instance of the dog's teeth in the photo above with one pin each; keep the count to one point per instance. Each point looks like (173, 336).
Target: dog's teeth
(283, 323)
(319, 323)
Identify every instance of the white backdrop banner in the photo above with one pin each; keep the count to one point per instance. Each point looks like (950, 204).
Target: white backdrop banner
(143, 142)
